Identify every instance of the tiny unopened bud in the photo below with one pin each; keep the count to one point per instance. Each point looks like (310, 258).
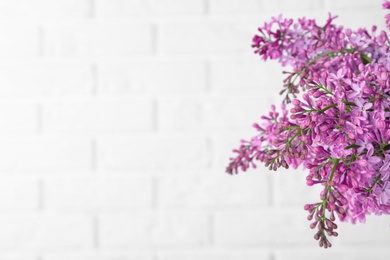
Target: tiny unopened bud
(331, 206)
(310, 182)
(367, 90)
(296, 102)
(380, 124)
(257, 127)
(329, 223)
(284, 164)
(332, 217)
(341, 210)
(313, 225)
(341, 216)
(308, 206)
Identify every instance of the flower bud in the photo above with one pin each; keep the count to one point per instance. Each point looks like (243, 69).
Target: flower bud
(367, 90)
(295, 102)
(380, 124)
(371, 137)
(384, 75)
(310, 182)
(313, 225)
(332, 217)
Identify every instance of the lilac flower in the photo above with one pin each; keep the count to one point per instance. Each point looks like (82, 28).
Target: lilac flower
(386, 5)
(385, 168)
(362, 107)
(338, 127)
(357, 90)
(385, 196)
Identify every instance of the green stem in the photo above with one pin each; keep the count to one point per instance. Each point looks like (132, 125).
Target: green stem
(377, 179)
(326, 108)
(323, 88)
(328, 189)
(293, 137)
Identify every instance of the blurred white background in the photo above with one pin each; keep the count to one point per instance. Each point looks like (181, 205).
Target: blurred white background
(117, 119)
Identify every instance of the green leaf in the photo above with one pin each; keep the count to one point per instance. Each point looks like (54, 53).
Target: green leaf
(365, 58)
(352, 146)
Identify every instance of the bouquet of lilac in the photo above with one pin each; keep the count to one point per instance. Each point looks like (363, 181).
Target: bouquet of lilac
(338, 122)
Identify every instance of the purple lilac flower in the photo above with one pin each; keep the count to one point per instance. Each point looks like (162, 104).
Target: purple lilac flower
(386, 5)
(334, 120)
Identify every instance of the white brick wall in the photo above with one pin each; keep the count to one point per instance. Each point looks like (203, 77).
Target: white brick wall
(129, 8)
(45, 231)
(153, 230)
(117, 118)
(51, 78)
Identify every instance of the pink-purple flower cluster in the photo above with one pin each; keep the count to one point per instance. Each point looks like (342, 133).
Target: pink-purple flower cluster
(386, 5)
(334, 121)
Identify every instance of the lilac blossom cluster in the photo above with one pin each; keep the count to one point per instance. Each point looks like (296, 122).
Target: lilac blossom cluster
(334, 121)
